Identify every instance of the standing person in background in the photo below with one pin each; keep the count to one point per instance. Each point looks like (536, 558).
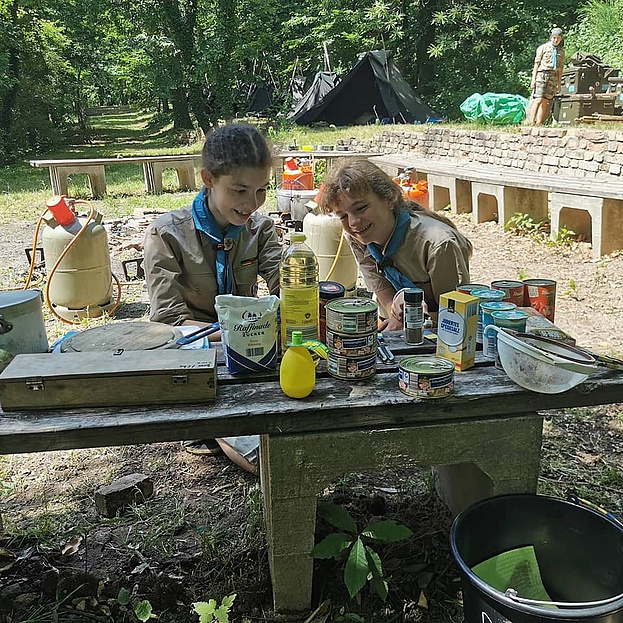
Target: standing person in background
(397, 243)
(217, 245)
(546, 77)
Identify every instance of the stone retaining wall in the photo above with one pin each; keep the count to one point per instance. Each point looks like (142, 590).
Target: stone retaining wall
(568, 151)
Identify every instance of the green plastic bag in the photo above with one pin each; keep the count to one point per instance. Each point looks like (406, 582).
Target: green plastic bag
(496, 108)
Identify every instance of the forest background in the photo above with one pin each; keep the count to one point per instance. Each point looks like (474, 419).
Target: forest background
(196, 61)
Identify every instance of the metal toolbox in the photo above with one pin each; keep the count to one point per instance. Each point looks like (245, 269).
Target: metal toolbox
(568, 108)
(117, 378)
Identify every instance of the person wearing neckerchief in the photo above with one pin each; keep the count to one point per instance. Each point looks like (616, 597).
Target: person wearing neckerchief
(397, 243)
(546, 77)
(218, 245)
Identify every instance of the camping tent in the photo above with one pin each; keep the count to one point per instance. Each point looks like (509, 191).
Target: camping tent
(323, 82)
(373, 89)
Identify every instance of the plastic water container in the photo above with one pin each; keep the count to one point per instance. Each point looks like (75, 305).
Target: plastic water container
(324, 237)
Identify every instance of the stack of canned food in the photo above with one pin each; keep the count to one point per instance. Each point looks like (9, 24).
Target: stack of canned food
(351, 337)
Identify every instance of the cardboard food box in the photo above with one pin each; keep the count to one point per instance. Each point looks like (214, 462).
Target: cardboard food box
(457, 324)
(107, 379)
(537, 324)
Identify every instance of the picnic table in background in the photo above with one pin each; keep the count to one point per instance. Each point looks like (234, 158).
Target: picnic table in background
(94, 168)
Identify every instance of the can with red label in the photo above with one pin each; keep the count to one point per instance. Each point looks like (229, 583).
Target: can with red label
(541, 295)
(513, 290)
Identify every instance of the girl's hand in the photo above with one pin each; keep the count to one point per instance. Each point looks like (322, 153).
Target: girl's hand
(398, 307)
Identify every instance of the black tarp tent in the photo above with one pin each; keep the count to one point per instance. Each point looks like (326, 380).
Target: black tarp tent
(373, 89)
(323, 82)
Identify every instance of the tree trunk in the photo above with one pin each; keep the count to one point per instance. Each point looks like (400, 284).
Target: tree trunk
(199, 106)
(181, 114)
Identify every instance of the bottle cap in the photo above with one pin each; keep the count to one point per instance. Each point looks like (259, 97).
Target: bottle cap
(331, 290)
(297, 338)
(414, 295)
(298, 237)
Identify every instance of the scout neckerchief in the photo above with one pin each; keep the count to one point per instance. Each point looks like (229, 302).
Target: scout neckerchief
(554, 55)
(383, 257)
(223, 241)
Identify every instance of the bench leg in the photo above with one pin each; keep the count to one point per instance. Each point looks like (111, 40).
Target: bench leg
(56, 182)
(296, 468)
(186, 177)
(97, 181)
(148, 175)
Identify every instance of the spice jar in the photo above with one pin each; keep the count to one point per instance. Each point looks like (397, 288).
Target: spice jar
(414, 316)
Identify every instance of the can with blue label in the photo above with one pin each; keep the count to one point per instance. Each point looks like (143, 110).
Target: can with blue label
(426, 376)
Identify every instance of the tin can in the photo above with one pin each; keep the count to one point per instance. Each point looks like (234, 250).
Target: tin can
(352, 315)
(466, 288)
(327, 290)
(351, 368)
(426, 376)
(513, 290)
(485, 295)
(488, 307)
(541, 295)
(350, 345)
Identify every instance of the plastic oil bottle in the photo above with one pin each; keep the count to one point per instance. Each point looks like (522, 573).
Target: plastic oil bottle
(299, 290)
(297, 372)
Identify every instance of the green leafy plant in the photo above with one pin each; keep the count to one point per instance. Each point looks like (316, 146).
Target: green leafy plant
(522, 274)
(564, 237)
(363, 564)
(140, 607)
(525, 225)
(209, 611)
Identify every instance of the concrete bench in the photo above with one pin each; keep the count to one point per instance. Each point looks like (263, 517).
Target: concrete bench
(94, 168)
(590, 207)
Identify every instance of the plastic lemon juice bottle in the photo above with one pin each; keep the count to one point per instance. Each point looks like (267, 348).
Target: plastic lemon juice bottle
(297, 372)
(299, 290)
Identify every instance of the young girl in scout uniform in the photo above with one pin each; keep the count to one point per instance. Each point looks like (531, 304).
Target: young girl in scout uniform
(397, 243)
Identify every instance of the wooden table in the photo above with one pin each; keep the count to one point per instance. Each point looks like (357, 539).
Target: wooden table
(487, 437)
(94, 168)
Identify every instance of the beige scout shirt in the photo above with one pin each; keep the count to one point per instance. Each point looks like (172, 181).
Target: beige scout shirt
(544, 57)
(180, 266)
(434, 256)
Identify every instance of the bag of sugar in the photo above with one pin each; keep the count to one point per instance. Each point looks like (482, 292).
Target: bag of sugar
(249, 332)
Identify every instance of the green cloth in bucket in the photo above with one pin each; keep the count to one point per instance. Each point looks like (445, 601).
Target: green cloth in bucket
(517, 568)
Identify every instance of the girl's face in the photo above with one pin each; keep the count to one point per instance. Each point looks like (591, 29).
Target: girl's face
(234, 197)
(367, 218)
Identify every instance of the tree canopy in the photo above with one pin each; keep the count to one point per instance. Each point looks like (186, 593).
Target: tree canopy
(197, 60)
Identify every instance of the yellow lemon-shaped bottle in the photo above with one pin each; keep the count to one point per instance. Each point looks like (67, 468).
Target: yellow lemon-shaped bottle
(297, 372)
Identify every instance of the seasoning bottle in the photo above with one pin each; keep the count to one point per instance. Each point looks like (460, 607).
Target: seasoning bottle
(297, 372)
(414, 316)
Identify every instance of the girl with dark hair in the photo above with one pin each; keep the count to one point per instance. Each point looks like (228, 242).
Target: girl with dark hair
(397, 243)
(217, 245)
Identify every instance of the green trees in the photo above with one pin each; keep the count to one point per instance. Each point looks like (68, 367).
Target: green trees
(196, 59)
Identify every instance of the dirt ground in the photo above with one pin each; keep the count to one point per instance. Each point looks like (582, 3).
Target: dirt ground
(201, 534)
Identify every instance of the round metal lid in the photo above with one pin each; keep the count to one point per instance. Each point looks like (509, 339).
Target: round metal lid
(127, 335)
(427, 364)
(352, 305)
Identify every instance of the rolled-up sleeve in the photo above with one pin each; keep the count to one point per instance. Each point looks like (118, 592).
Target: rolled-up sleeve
(162, 276)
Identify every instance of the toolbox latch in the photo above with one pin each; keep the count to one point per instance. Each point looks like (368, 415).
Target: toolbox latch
(179, 379)
(35, 384)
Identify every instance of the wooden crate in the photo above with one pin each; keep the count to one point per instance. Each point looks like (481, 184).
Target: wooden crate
(120, 378)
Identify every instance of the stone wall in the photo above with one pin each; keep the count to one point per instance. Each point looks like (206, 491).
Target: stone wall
(567, 151)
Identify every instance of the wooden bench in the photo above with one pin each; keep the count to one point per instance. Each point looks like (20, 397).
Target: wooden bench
(486, 437)
(94, 168)
(590, 207)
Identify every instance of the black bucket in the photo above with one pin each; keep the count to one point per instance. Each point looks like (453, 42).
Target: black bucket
(579, 552)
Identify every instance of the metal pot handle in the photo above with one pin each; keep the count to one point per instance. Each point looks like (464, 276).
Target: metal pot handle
(511, 593)
(5, 325)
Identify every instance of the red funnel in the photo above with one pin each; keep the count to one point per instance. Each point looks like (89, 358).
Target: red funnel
(61, 210)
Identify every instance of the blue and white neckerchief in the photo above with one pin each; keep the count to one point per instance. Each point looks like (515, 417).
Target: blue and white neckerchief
(223, 240)
(384, 258)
